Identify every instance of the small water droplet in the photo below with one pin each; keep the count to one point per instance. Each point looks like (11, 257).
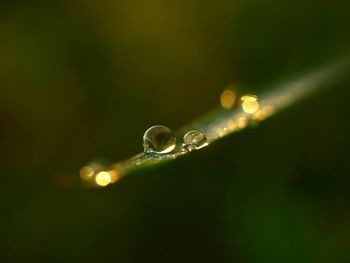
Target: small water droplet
(194, 140)
(159, 139)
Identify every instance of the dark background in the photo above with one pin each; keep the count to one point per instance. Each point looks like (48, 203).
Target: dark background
(84, 79)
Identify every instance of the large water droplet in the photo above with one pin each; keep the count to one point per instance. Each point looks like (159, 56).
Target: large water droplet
(194, 140)
(159, 139)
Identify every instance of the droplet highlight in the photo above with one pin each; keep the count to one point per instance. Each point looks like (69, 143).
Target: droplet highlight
(159, 139)
(195, 140)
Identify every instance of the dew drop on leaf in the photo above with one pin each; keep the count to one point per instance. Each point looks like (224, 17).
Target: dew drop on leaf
(159, 139)
(194, 140)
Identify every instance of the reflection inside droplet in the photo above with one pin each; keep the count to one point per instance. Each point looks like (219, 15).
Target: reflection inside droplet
(159, 139)
(194, 140)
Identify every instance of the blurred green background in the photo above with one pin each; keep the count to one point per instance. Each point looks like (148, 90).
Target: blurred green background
(85, 79)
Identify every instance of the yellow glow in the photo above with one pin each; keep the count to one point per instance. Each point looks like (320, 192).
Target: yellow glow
(103, 178)
(232, 125)
(228, 99)
(242, 122)
(221, 134)
(86, 172)
(263, 113)
(114, 176)
(250, 104)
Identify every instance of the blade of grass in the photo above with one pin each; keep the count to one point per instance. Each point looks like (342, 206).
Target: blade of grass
(221, 122)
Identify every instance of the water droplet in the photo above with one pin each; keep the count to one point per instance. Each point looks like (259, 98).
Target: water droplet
(159, 139)
(194, 140)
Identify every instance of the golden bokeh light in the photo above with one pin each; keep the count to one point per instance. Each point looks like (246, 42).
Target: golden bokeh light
(250, 104)
(86, 173)
(228, 99)
(242, 123)
(232, 125)
(103, 178)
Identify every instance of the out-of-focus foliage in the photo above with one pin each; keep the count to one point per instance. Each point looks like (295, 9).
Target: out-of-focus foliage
(84, 79)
